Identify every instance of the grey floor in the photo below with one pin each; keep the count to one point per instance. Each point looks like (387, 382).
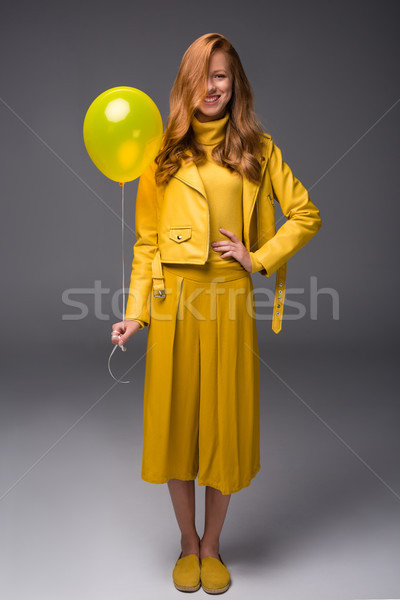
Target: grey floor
(319, 521)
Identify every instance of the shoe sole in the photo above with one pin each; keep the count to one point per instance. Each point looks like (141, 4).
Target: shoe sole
(183, 588)
(217, 590)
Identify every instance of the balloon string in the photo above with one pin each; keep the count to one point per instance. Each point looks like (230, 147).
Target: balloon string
(123, 287)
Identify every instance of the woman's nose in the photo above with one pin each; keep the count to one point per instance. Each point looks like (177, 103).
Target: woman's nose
(211, 88)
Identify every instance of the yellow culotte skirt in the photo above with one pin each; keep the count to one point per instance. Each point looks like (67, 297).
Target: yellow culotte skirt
(201, 410)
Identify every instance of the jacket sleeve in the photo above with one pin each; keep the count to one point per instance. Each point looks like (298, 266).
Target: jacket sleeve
(255, 263)
(141, 282)
(303, 218)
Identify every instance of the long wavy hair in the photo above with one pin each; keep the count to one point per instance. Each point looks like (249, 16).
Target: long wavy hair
(240, 151)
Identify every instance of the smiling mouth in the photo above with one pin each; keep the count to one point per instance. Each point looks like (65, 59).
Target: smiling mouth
(211, 99)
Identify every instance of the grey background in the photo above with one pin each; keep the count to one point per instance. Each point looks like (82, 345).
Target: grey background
(321, 519)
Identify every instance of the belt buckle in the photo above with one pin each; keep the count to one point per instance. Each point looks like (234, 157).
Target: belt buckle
(159, 293)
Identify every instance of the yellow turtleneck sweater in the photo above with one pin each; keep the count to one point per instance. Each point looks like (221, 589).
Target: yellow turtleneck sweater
(224, 190)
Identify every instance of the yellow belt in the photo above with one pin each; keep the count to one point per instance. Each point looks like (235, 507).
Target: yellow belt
(280, 288)
(158, 277)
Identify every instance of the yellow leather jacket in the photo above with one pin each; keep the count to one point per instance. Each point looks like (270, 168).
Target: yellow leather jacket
(172, 225)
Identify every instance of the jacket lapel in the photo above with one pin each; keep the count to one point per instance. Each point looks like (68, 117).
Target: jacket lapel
(189, 174)
(250, 191)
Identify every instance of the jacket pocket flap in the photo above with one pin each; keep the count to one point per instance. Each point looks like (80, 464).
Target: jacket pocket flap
(180, 234)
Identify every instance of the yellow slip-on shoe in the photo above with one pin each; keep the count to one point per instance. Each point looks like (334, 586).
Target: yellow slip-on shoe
(186, 573)
(215, 577)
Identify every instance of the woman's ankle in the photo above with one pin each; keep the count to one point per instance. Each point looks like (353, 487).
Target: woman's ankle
(209, 547)
(190, 544)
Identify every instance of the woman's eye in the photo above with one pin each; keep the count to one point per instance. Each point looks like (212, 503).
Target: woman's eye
(220, 75)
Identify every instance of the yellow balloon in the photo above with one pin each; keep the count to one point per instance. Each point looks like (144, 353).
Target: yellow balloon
(122, 131)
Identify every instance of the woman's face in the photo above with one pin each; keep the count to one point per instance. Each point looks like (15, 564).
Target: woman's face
(219, 89)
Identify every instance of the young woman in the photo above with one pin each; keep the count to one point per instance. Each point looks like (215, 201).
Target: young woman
(204, 222)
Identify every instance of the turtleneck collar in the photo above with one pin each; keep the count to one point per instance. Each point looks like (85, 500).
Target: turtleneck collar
(210, 132)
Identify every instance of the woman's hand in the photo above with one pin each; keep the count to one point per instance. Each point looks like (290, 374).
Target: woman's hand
(233, 247)
(124, 333)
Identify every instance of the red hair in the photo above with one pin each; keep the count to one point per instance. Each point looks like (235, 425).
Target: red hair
(241, 149)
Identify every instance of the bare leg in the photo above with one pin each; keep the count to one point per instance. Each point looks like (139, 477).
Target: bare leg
(183, 500)
(216, 508)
